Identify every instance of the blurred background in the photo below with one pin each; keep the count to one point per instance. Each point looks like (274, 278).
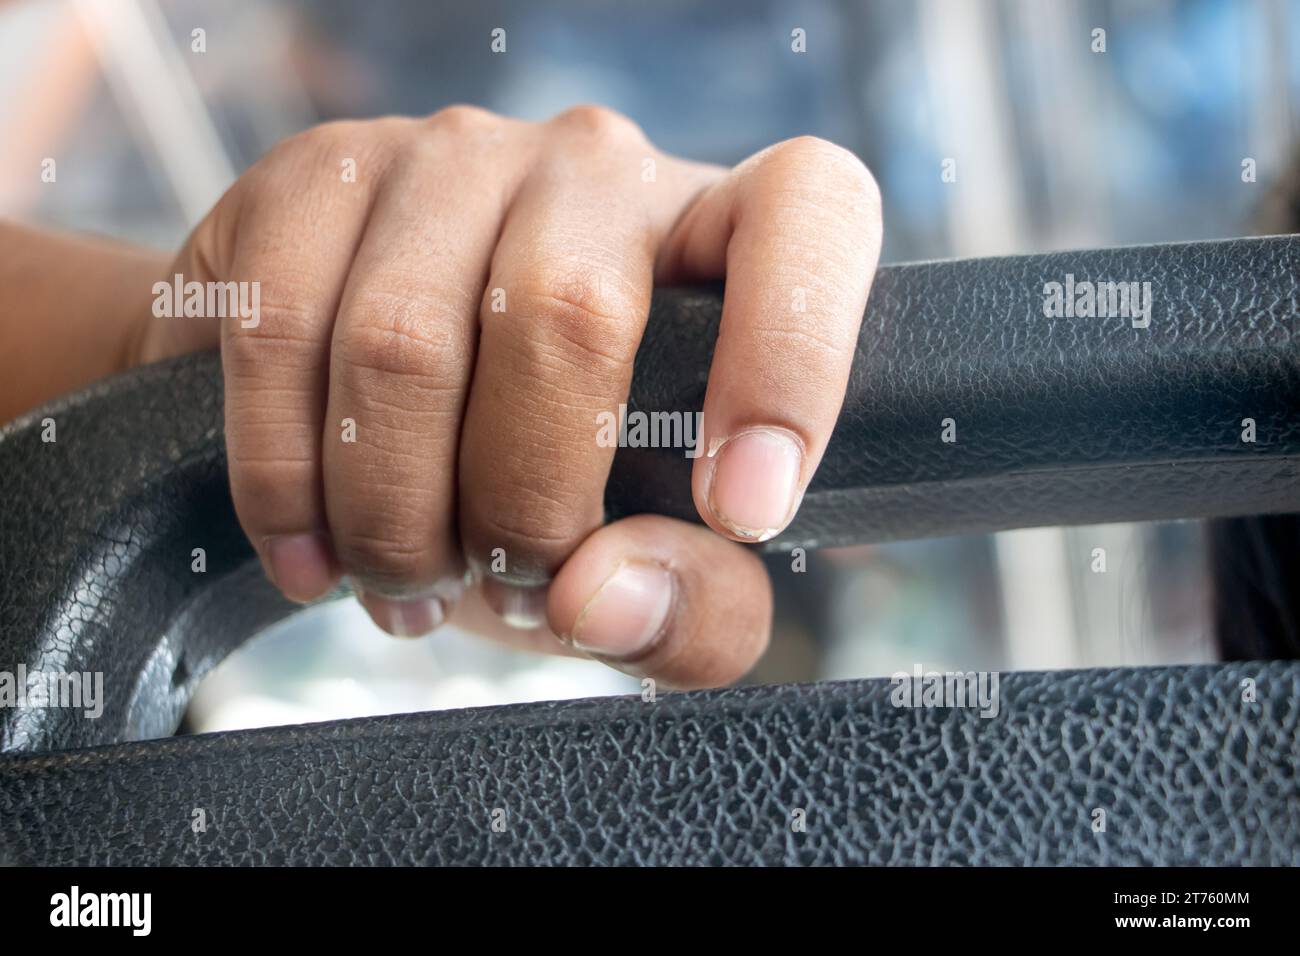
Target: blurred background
(1061, 137)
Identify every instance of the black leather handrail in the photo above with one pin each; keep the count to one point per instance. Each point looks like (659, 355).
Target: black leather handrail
(1057, 420)
(1125, 767)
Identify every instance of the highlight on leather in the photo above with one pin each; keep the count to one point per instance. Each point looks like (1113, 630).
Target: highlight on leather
(1173, 766)
(985, 394)
(975, 404)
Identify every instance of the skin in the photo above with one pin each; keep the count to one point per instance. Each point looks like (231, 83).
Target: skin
(475, 427)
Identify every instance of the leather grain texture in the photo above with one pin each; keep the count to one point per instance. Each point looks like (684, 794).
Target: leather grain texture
(1185, 770)
(1057, 421)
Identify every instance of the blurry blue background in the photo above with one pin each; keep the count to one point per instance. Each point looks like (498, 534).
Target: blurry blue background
(1055, 146)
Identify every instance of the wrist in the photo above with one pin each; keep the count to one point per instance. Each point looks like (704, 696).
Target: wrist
(81, 305)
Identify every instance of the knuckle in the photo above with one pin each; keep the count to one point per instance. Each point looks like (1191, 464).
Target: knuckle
(586, 309)
(404, 336)
(821, 158)
(463, 137)
(811, 150)
(287, 156)
(808, 170)
(283, 341)
(263, 487)
(600, 122)
(534, 538)
(384, 553)
(325, 137)
(532, 529)
(537, 507)
(313, 155)
(804, 345)
(460, 118)
(419, 152)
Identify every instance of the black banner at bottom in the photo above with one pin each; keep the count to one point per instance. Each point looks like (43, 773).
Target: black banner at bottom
(237, 905)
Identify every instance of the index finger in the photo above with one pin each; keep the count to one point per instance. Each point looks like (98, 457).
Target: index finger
(797, 231)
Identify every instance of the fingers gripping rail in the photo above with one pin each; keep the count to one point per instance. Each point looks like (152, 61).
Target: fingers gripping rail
(969, 409)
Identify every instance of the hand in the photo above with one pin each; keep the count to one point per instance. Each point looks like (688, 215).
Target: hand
(471, 301)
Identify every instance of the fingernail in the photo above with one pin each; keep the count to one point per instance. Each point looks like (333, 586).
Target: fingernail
(756, 482)
(627, 615)
(301, 565)
(521, 606)
(403, 617)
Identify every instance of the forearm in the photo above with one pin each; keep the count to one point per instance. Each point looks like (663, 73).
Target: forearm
(73, 310)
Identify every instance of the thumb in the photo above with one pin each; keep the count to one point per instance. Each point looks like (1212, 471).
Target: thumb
(661, 598)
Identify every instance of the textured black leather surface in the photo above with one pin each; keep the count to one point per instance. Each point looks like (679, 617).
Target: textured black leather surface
(1184, 770)
(1058, 421)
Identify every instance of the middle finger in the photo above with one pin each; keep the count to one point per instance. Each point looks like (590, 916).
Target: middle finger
(560, 322)
(400, 368)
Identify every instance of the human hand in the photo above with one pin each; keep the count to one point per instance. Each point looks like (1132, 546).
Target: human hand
(471, 301)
